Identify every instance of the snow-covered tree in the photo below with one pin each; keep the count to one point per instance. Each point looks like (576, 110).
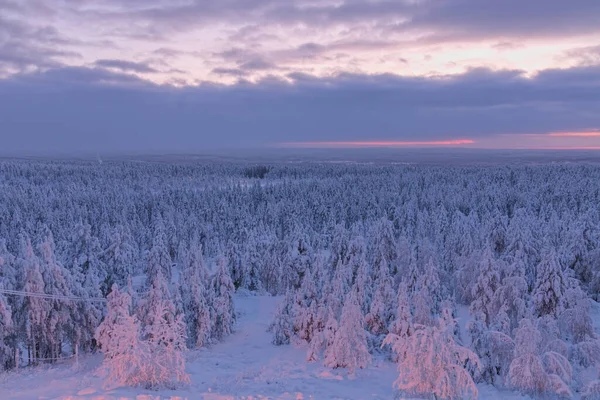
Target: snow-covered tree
(118, 338)
(591, 391)
(485, 288)
(534, 374)
(58, 323)
(8, 274)
(575, 321)
(318, 340)
(7, 281)
(340, 287)
(550, 286)
(423, 310)
(363, 283)
(510, 303)
(6, 352)
(404, 260)
(282, 326)
(252, 264)
(196, 298)
(298, 258)
(495, 350)
(429, 282)
(34, 311)
(159, 260)
(431, 363)
(164, 336)
(223, 311)
(381, 314)
(87, 272)
(119, 256)
(384, 245)
(305, 307)
(83, 255)
(349, 348)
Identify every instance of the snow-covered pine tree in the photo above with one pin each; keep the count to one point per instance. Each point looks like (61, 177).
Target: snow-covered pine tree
(299, 254)
(7, 281)
(340, 246)
(485, 288)
(252, 264)
(118, 337)
(384, 245)
(33, 311)
(550, 286)
(402, 327)
(159, 260)
(83, 253)
(59, 323)
(305, 307)
(87, 272)
(164, 336)
(223, 311)
(196, 299)
(404, 260)
(349, 348)
(510, 301)
(8, 274)
(119, 257)
(235, 262)
(421, 300)
(381, 313)
(157, 294)
(318, 340)
(361, 274)
(6, 328)
(340, 286)
(282, 326)
(429, 282)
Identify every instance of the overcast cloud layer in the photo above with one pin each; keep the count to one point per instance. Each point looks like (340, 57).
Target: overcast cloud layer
(160, 76)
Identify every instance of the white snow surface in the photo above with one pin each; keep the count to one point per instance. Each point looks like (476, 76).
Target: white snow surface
(245, 366)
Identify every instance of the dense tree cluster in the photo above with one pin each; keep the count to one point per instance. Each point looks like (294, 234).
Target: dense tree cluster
(371, 259)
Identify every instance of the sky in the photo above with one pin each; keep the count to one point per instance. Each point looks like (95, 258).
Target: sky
(160, 76)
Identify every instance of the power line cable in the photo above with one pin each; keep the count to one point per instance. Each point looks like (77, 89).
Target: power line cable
(51, 296)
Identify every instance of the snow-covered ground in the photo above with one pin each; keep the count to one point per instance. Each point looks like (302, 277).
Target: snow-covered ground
(245, 366)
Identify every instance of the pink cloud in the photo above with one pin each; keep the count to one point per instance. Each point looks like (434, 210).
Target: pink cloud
(591, 133)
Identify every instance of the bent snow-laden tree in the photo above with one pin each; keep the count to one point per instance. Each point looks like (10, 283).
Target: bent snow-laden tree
(431, 363)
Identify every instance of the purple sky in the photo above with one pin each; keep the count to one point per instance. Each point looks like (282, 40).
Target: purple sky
(195, 75)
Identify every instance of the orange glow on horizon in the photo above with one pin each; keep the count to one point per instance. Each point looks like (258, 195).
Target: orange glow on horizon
(359, 144)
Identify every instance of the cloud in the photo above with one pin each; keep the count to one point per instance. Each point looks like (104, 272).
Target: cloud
(589, 55)
(24, 46)
(88, 110)
(468, 19)
(230, 71)
(126, 66)
(292, 35)
(507, 18)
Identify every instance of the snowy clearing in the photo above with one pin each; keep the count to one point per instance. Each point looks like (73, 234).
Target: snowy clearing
(245, 366)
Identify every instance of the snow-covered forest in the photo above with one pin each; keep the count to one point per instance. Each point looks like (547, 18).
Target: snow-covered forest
(141, 262)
